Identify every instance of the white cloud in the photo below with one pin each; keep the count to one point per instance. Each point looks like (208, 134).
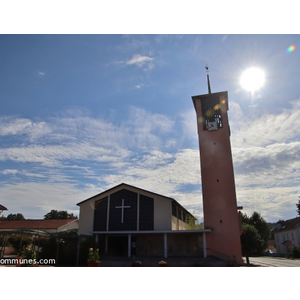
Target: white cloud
(139, 60)
(55, 155)
(264, 130)
(20, 126)
(139, 86)
(88, 155)
(266, 154)
(273, 203)
(166, 174)
(80, 137)
(9, 171)
(35, 199)
(266, 148)
(41, 74)
(278, 158)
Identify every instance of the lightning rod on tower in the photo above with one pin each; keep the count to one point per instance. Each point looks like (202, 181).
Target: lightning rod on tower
(208, 83)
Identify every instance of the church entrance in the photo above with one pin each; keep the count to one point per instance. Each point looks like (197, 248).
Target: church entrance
(117, 246)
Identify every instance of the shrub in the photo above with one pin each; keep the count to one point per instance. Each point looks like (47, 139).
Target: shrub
(15, 241)
(296, 252)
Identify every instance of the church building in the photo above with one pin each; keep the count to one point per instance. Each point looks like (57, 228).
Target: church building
(127, 220)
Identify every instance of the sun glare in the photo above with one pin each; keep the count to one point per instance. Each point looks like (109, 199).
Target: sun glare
(252, 79)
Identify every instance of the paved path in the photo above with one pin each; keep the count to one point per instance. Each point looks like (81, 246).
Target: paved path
(266, 261)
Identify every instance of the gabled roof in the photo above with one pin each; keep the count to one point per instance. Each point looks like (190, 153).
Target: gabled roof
(35, 224)
(288, 225)
(131, 186)
(2, 207)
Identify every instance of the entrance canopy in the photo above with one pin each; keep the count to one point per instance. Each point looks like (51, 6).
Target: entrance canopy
(154, 243)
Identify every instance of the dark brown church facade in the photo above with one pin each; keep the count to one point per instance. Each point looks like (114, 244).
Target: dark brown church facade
(127, 220)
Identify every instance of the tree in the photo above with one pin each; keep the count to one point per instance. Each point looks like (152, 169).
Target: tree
(250, 240)
(298, 206)
(193, 224)
(263, 230)
(17, 216)
(62, 214)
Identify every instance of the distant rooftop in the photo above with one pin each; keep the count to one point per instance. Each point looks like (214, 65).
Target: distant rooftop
(34, 224)
(2, 207)
(288, 224)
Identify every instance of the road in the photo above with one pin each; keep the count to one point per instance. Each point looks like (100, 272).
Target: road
(266, 261)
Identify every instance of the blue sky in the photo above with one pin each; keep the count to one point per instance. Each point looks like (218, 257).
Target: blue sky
(82, 113)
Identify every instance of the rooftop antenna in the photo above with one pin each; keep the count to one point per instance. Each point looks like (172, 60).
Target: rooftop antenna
(208, 83)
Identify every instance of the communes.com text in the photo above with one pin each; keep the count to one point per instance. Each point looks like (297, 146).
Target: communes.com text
(25, 261)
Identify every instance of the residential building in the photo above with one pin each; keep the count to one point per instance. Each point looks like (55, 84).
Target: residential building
(287, 235)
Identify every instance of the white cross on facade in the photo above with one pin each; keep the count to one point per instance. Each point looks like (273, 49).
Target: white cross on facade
(122, 206)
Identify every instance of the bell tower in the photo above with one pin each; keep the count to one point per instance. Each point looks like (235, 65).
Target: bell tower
(218, 187)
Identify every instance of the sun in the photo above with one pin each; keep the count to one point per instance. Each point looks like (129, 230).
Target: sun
(252, 79)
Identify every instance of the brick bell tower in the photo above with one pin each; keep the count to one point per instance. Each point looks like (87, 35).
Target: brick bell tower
(218, 187)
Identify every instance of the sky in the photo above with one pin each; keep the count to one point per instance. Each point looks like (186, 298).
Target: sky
(82, 113)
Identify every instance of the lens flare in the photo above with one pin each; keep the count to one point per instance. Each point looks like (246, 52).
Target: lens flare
(290, 48)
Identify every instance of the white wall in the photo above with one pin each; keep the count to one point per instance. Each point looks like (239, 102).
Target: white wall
(86, 217)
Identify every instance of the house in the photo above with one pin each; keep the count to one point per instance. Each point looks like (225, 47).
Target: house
(126, 220)
(50, 226)
(2, 208)
(287, 235)
(34, 228)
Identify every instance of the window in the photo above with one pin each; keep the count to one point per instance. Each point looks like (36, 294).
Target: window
(146, 221)
(174, 210)
(128, 214)
(179, 214)
(100, 214)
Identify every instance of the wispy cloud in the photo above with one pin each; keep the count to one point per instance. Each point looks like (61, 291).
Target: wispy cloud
(262, 130)
(20, 126)
(90, 154)
(80, 137)
(266, 152)
(43, 196)
(41, 74)
(9, 171)
(141, 61)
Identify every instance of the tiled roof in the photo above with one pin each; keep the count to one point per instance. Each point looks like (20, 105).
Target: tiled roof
(288, 225)
(34, 224)
(2, 207)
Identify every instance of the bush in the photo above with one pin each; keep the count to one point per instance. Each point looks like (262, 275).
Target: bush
(66, 245)
(296, 252)
(15, 241)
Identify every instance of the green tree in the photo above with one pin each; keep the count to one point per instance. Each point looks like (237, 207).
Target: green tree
(193, 224)
(298, 206)
(263, 229)
(17, 216)
(251, 240)
(62, 214)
